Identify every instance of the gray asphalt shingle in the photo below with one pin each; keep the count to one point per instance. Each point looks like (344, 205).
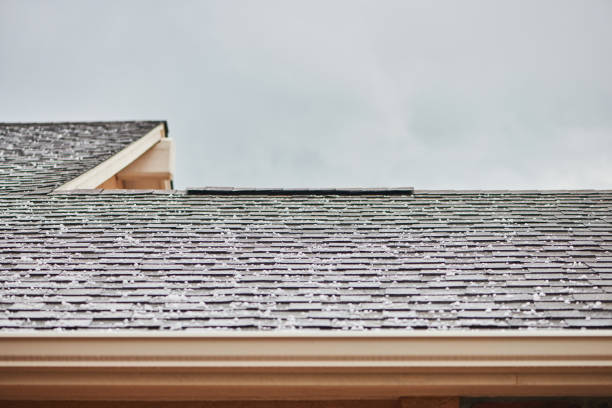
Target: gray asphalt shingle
(177, 261)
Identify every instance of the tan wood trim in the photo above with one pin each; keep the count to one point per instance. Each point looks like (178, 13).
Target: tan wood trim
(299, 366)
(108, 168)
(425, 349)
(157, 162)
(152, 170)
(203, 404)
(430, 402)
(111, 183)
(153, 384)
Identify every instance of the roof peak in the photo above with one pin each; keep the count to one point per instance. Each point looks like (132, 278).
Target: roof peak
(81, 122)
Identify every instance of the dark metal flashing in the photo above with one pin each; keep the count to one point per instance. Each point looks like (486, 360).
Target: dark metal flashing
(299, 191)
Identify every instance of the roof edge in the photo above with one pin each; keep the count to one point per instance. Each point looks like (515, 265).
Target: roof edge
(515, 191)
(308, 333)
(81, 122)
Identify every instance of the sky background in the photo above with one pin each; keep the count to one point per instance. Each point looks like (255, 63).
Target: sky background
(431, 94)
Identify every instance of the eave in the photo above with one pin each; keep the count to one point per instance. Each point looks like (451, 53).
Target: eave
(302, 365)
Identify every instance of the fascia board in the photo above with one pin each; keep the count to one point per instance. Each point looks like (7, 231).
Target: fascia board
(300, 365)
(303, 349)
(303, 365)
(114, 164)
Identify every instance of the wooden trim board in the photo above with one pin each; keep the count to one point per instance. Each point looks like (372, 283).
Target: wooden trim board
(230, 366)
(157, 162)
(404, 403)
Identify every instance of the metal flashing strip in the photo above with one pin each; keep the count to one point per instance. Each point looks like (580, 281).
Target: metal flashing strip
(298, 191)
(313, 366)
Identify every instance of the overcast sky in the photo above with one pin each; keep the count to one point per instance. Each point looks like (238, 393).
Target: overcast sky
(430, 94)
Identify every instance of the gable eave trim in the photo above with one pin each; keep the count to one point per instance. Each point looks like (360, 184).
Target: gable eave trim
(114, 164)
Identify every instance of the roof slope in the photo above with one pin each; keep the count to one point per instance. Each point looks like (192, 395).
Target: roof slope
(271, 261)
(43, 156)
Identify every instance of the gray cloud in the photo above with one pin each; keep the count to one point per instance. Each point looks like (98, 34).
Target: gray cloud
(445, 94)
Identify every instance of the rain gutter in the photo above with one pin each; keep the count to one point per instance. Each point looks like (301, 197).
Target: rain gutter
(303, 365)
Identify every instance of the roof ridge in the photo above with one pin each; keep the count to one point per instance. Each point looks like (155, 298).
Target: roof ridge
(503, 191)
(300, 191)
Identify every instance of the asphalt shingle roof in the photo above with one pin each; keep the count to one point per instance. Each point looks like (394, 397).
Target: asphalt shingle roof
(273, 259)
(151, 260)
(43, 156)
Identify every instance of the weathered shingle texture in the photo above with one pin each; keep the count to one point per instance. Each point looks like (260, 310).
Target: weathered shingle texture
(266, 260)
(431, 260)
(43, 156)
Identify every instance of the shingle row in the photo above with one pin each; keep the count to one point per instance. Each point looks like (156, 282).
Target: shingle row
(434, 259)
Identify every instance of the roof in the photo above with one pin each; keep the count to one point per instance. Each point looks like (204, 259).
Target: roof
(43, 156)
(268, 260)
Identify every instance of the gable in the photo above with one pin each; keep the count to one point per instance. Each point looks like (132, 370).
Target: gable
(41, 157)
(146, 163)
